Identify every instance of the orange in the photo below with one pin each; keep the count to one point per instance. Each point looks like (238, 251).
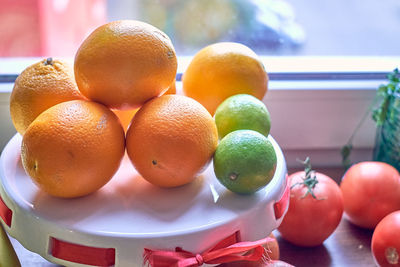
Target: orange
(171, 140)
(122, 64)
(172, 89)
(125, 116)
(221, 70)
(73, 148)
(40, 86)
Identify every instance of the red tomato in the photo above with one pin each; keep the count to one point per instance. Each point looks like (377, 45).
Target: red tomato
(272, 249)
(371, 190)
(385, 243)
(275, 263)
(309, 221)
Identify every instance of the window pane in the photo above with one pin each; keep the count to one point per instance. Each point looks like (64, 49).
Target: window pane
(349, 27)
(270, 27)
(274, 27)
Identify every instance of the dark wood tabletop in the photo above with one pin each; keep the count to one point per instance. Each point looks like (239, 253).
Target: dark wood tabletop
(349, 245)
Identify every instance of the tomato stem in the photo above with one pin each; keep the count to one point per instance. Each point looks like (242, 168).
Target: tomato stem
(310, 179)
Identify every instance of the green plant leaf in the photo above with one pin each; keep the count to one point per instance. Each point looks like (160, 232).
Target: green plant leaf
(379, 108)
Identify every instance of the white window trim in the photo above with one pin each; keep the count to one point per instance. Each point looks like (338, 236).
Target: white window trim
(315, 105)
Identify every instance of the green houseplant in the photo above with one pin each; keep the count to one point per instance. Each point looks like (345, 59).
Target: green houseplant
(385, 110)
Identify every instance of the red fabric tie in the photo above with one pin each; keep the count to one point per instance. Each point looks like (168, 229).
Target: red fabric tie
(5, 213)
(227, 250)
(199, 259)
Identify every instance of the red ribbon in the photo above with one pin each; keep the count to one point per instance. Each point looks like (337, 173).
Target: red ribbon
(227, 250)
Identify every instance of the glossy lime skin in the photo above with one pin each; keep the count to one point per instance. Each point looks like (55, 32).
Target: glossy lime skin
(245, 161)
(242, 112)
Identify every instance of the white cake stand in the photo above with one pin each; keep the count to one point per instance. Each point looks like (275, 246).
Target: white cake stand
(115, 224)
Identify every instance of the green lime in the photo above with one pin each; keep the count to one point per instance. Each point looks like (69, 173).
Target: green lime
(242, 112)
(245, 161)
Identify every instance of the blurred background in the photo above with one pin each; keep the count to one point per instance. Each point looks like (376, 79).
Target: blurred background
(32, 28)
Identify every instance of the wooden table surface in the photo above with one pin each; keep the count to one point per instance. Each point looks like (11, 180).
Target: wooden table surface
(349, 245)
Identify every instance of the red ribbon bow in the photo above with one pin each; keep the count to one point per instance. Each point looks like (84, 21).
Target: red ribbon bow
(227, 250)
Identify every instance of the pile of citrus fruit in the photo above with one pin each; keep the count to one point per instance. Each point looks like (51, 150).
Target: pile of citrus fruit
(120, 96)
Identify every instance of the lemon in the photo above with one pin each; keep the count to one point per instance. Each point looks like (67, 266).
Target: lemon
(245, 161)
(241, 112)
